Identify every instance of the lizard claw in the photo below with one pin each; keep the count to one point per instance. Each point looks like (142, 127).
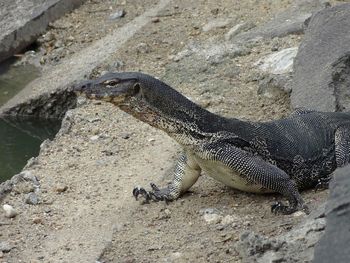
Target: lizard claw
(322, 183)
(155, 195)
(141, 191)
(279, 208)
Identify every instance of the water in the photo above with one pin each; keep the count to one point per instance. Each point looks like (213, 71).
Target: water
(20, 138)
(14, 78)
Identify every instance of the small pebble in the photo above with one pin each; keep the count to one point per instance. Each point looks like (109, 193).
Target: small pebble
(31, 199)
(95, 131)
(37, 220)
(118, 14)
(61, 188)
(247, 223)
(228, 220)
(28, 176)
(5, 247)
(155, 20)
(212, 218)
(118, 227)
(176, 255)
(94, 138)
(10, 212)
(209, 211)
(164, 214)
(299, 213)
(126, 136)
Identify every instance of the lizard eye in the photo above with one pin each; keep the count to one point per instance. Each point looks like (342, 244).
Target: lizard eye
(111, 82)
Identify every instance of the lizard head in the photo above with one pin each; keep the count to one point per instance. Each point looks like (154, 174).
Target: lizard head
(111, 87)
(142, 96)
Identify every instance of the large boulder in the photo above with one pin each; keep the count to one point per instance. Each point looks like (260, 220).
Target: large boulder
(22, 21)
(297, 245)
(290, 21)
(322, 66)
(334, 244)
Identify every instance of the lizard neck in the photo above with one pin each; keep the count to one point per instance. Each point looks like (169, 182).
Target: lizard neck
(181, 119)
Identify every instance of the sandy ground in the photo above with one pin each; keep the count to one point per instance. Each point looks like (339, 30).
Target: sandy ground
(86, 212)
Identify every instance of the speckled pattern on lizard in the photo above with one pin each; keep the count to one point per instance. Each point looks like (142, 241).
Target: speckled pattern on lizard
(283, 156)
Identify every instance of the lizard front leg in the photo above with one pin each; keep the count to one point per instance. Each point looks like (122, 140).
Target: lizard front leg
(257, 172)
(186, 174)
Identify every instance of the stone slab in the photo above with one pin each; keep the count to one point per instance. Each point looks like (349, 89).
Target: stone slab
(22, 21)
(322, 66)
(334, 244)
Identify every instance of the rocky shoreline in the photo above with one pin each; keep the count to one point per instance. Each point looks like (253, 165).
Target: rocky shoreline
(73, 202)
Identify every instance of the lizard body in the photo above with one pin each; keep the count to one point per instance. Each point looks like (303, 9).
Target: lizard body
(284, 156)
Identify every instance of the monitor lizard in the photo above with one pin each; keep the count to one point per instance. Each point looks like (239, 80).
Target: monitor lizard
(284, 156)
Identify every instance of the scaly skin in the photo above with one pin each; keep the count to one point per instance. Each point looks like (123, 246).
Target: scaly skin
(282, 156)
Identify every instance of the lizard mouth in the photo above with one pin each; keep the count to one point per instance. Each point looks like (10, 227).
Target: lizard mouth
(110, 91)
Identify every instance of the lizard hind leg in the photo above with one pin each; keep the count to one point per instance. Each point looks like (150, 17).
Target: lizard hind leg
(342, 154)
(255, 169)
(342, 145)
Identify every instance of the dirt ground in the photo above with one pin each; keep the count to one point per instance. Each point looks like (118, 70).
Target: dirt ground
(86, 211)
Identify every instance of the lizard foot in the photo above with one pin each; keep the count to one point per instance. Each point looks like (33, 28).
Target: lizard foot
(155, 195)
(322, 183)
(279, 208)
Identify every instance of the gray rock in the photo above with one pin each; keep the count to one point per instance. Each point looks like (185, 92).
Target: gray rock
(5, 188)
(25, 176)
(277, 68)
(205, 211)
(252, 245)
(23, 21)
(272, 85)
(66, 125)
(10, 212)
(322, 66)
(216, 23)
(118, 14)
(31, 199)
(211, 52)
(31, 162)
(5, 246)
(280, 62)
(28, 176)
(242, 27)
(294, 246)
(334, 244)
(287, 22)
